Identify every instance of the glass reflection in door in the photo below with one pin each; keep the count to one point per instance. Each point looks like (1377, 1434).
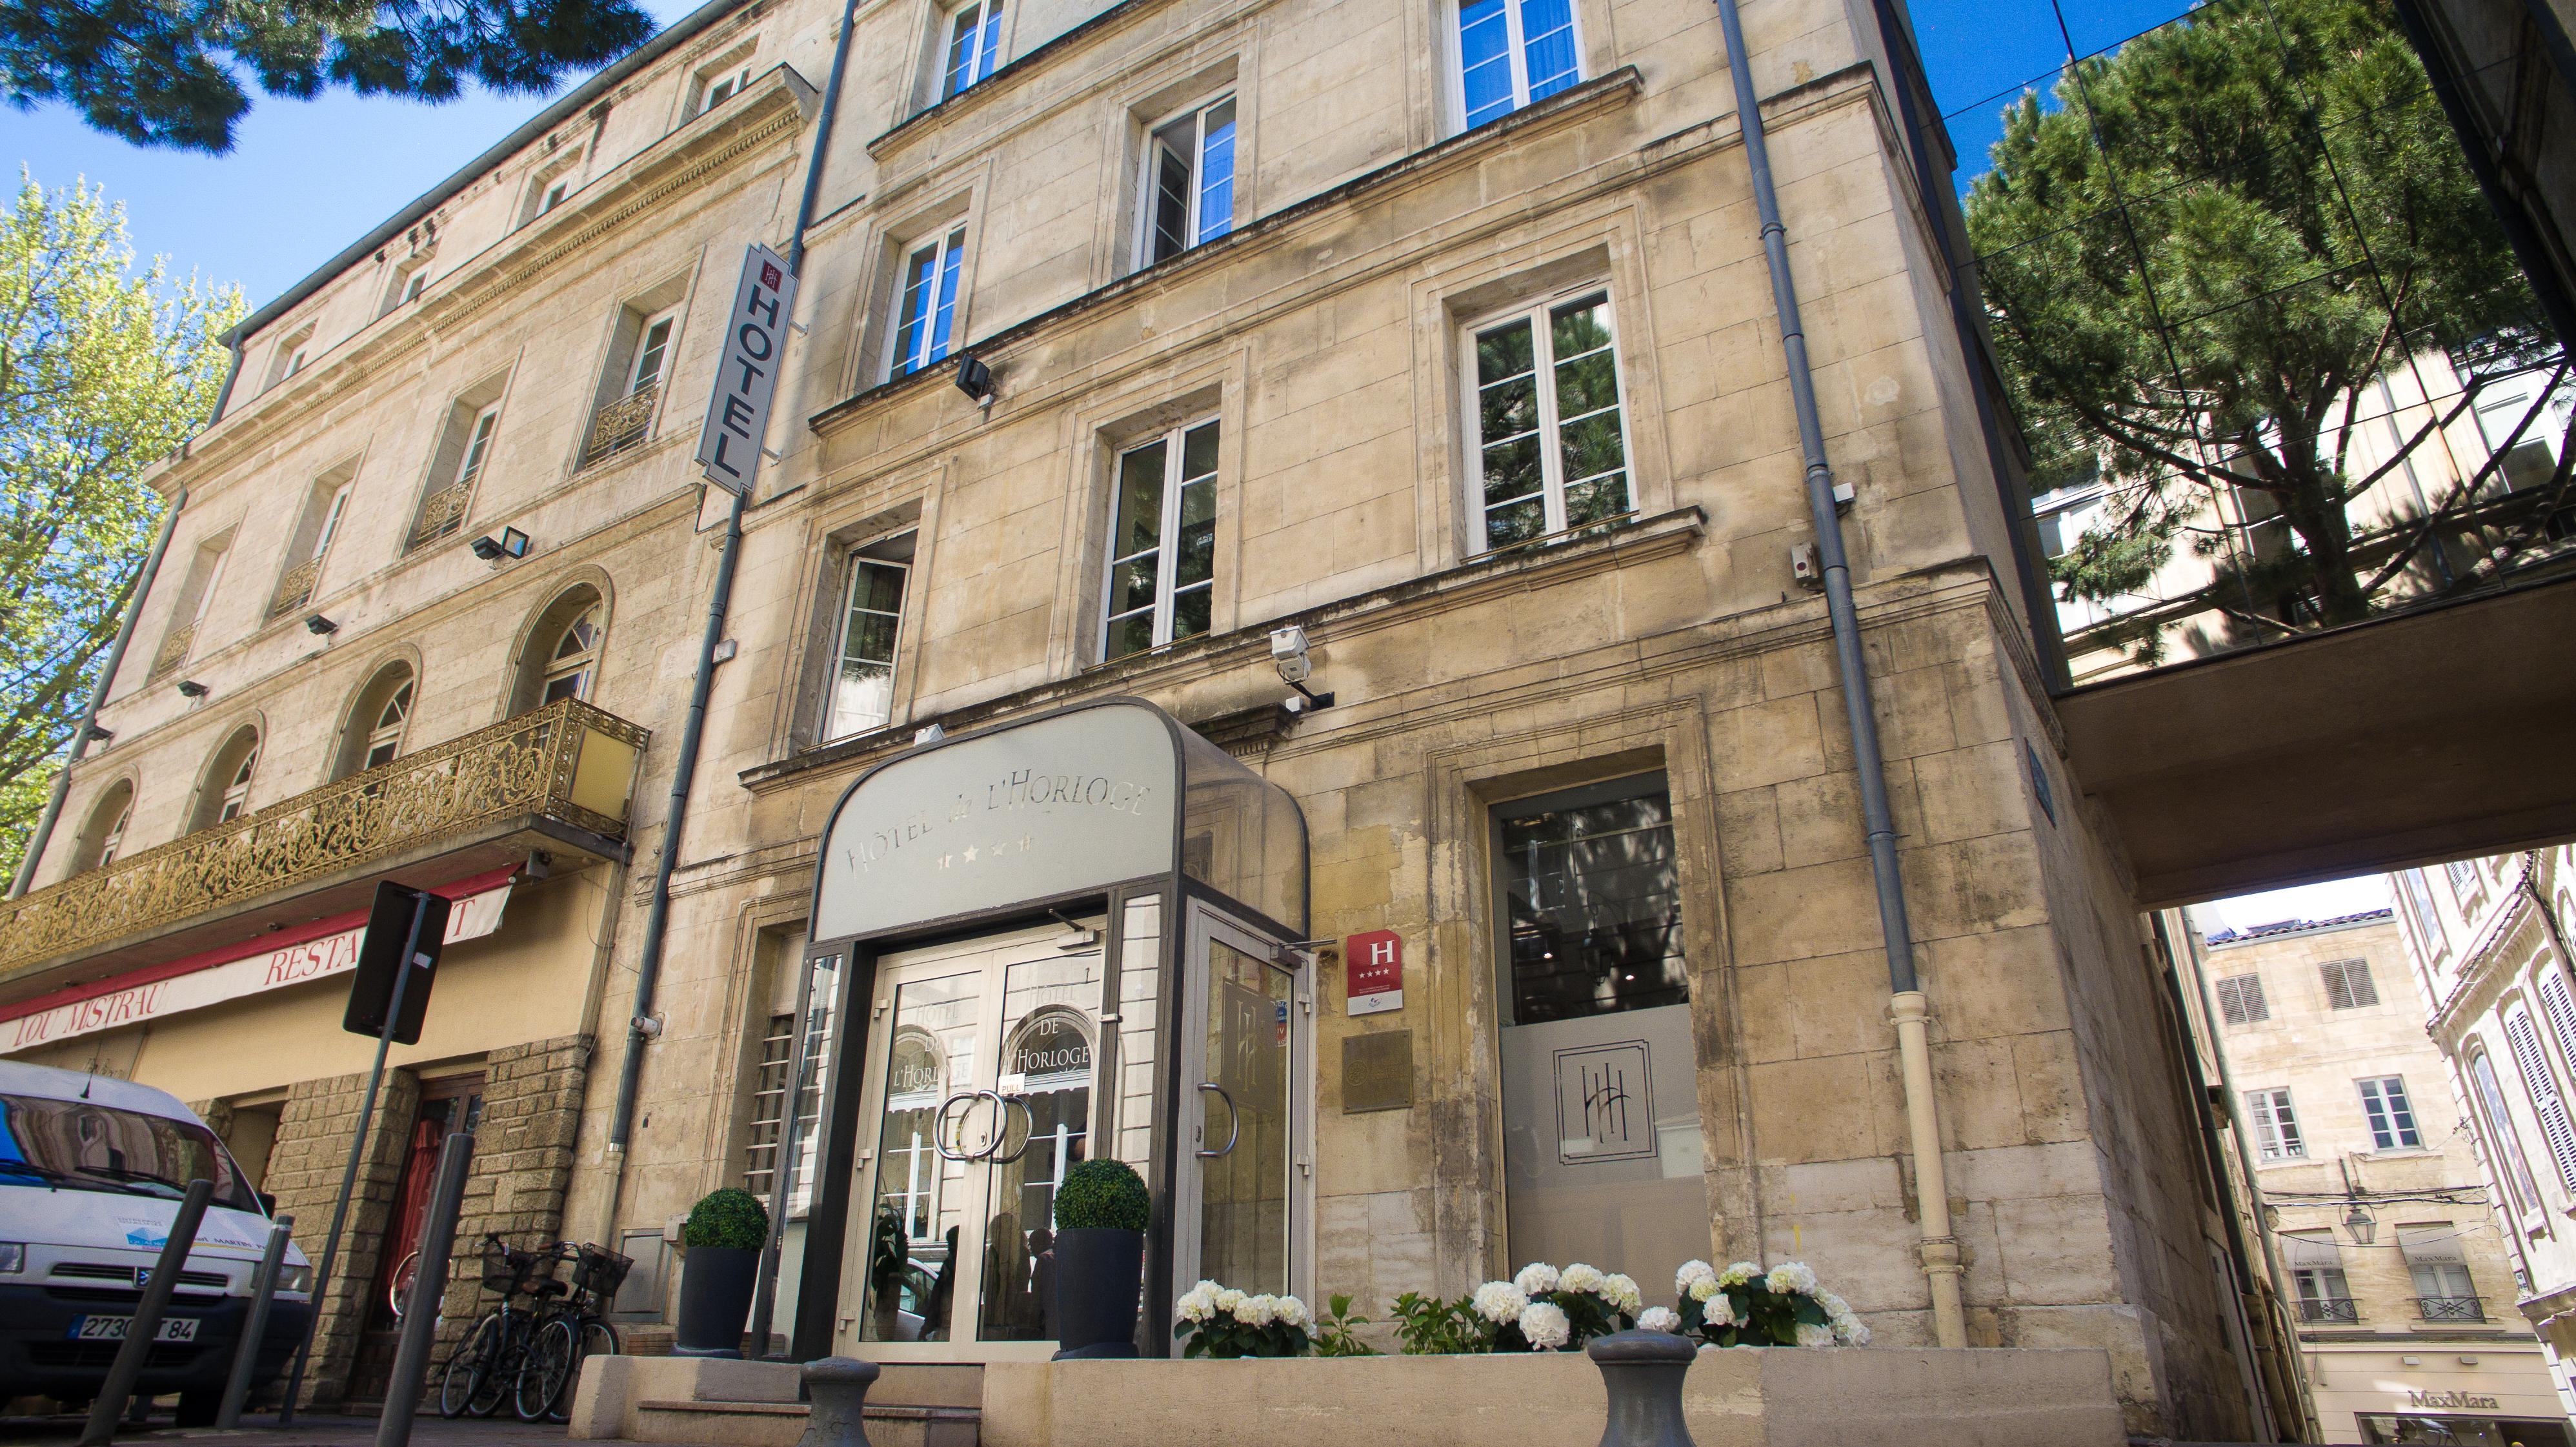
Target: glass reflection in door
(1045, 1081)
(912, 1252)
(1246, 1134)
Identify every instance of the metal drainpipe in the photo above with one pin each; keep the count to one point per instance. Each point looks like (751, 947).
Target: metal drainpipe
(98, 695)
(648, 970)
(1938, 1249)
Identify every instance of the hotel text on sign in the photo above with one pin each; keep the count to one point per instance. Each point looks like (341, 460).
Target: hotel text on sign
(747, 372)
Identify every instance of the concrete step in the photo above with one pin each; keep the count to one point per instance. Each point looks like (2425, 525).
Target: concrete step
(780, 1424)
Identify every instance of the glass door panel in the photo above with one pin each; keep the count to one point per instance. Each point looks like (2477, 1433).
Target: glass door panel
(1244, 1176)
(919, 1205)
(1044, 1077)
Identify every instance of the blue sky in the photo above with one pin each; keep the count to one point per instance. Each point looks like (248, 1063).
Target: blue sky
(308, 177)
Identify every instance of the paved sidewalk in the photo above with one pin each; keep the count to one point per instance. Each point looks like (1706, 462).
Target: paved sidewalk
(328, 1429)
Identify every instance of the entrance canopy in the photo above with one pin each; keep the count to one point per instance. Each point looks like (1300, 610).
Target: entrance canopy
(1091, 796)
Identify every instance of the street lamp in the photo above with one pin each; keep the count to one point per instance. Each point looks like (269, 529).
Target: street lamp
(2360, 1224)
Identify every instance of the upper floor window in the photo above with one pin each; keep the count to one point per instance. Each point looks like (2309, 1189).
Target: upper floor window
(464, 449)
(371, 733)
(2547, 1105)
(652, 349)
(569, 669)
(1513, 52)
(2276, 1126)
(224, 795)
(2316, 1268)
(553, 194)
(2419, 901)
(1189, 182)
(721, 82)
(926, 305)
(559, 655)
(408, 280)
(2392, 1118)
(323, 511)
(871, 626)
(2240, 1000)
(104, 839)
(2444, 1290)
(2504, 1142)
(289, 357)
(384, 741)
(973, 49)
(2465, 884)
(1551, 443)
(2348, 984)
(196, 596)
(1162, 541)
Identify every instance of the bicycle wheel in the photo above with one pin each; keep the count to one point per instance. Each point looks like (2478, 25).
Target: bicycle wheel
(501, 1370)
(467, 1364)
(543, 1370)
(398, 1290)
(596, 1338)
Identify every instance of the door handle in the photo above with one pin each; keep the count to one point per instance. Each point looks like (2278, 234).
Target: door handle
(1026, 1114)
(1234, 1121)
(939, 1128)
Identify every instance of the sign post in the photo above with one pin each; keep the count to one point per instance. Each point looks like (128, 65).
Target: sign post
(405, 931)
(747, 372)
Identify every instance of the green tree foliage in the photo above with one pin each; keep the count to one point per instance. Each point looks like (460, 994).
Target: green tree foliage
(2197, 262)
(170, 73)
(103, 371)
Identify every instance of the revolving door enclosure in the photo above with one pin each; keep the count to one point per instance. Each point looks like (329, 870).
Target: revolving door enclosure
(1073, 937)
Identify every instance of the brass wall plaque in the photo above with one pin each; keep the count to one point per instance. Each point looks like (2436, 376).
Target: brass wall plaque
(1377, 1071)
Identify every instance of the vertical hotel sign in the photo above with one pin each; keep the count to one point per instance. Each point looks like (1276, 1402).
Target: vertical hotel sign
(747, 373)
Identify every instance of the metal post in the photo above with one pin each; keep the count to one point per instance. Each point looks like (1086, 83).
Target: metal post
(263, 1285)
(349, 1177)
(420, 1313)
(782, 1176)
(146, 1323)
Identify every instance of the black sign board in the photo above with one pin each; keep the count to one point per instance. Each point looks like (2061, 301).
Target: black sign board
(404, 920)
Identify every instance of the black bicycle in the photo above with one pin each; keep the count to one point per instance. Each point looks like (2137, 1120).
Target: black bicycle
(483, 1371)
(567, 1330)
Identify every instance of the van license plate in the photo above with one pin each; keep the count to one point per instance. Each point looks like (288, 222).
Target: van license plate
(113, 1328)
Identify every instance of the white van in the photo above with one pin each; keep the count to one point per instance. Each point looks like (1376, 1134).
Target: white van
(91, 1172)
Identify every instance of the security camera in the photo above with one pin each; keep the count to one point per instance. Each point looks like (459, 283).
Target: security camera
(1288, 655)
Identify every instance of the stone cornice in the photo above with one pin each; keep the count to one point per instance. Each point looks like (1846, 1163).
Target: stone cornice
(2511, 933)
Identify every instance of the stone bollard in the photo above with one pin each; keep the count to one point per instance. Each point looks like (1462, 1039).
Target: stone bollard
(1643, 1371)
(838, 1388)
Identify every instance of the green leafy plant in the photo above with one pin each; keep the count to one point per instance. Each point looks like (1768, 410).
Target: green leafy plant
(1103, 1195)
(1336, 1331)
(1427, 1326)
(732, 1219)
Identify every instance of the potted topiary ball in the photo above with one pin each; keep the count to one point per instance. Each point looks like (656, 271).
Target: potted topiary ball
(724, 1237)
(1101, 1212)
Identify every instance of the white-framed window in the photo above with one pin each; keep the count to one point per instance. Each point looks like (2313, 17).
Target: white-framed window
(2419, 902)
(720, 84)
(1188, 185)
(972, 48)
(236, 797)
(2547, 1105)
(2504, 1143)
(862, 696)
(478, 443)
(2444, 1290)
(417, 283)
(114, 839)
(2240, 1000)
(384, 740)
(553, 195)
(2276, 1126)
(652, 351)
(574, 663)
(2391, 1116)
(1513, 52)
(2316, 1271)
(1162, 541)
(289, 357)
(925, 304)
(331, 515)
(2348, 984)
(1550, 431)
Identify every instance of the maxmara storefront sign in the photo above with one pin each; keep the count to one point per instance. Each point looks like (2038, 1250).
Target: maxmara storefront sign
(2450, 1401)
(1062, 804)
(328, 948)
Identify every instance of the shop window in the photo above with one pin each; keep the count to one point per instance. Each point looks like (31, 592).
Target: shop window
(871, 629)
(925, 304)
(1550, 436)
(2276, 1126)
(972, 48)
(2348, 984)
(1161, 582)
(2444, 1291)
(2546, 1103)
(2240, 1000)
(1188, 191)
(225, 794)
(2391, 1116)
(1588, 890)
(104, 836)
(2504, 1142)
(1511, 53)
(2316, 1271)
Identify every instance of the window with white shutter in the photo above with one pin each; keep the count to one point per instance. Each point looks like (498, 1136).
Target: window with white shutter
(2276, 1127)
(2504, 1143)
(2560, 1007)
(2348, 984)
(2546, 1103)
(2240, 1000)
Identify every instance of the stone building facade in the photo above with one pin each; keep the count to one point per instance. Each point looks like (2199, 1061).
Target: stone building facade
(2395, 1266)
(1441, 335)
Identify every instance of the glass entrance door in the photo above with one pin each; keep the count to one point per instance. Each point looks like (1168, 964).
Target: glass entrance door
(1246, 1173)
(983, 1100)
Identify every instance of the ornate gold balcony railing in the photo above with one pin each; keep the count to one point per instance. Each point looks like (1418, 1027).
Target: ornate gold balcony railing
(567, 761)
(296, 588)
(441, 512)
(174, 649)
(621, 424)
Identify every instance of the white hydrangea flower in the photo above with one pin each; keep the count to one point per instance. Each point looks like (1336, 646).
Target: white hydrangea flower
(1739, 1273)
(1501, 1302)
(1790, 1276)
(1292, 1312)
(1850, 1330)
(1659, 1318)
(1230, 1301)
(1580, 1277)
(1705, 1289)
(1198, 1304)
(1718, 1309)
(1815, 1336)
(1620, 1290)
(1545, 1325)
(1833, 1305)
(1691, 1272)
(1259, 1310)
(1536, 1277)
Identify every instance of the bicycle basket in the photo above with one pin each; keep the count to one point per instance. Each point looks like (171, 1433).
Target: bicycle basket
(506, 1268)
(600, 1271)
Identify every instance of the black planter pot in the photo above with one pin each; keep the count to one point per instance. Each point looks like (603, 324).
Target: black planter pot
(1097, 1275)
(715, 1297)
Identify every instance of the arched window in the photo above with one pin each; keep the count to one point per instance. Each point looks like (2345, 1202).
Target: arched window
(225, 792)
(560, 657)
(372, 735)
(575, 659)
(104, 836)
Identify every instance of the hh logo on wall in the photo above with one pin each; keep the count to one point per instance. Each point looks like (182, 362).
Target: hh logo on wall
(1604, 1106)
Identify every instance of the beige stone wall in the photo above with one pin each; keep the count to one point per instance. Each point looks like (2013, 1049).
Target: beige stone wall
(309, 1162)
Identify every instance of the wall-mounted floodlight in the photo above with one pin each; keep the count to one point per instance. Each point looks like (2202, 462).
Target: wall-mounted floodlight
(512, 544)
(1288, 655)
(191, 688)
(102, 735)
(975, 380)
(319, 626)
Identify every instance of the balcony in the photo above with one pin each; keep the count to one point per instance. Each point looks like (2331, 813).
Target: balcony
(2451, 1308)
(2329, 1308)
(620, 425)
(556, 779)
(174, 649)
(441, 513)
(295, 589)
